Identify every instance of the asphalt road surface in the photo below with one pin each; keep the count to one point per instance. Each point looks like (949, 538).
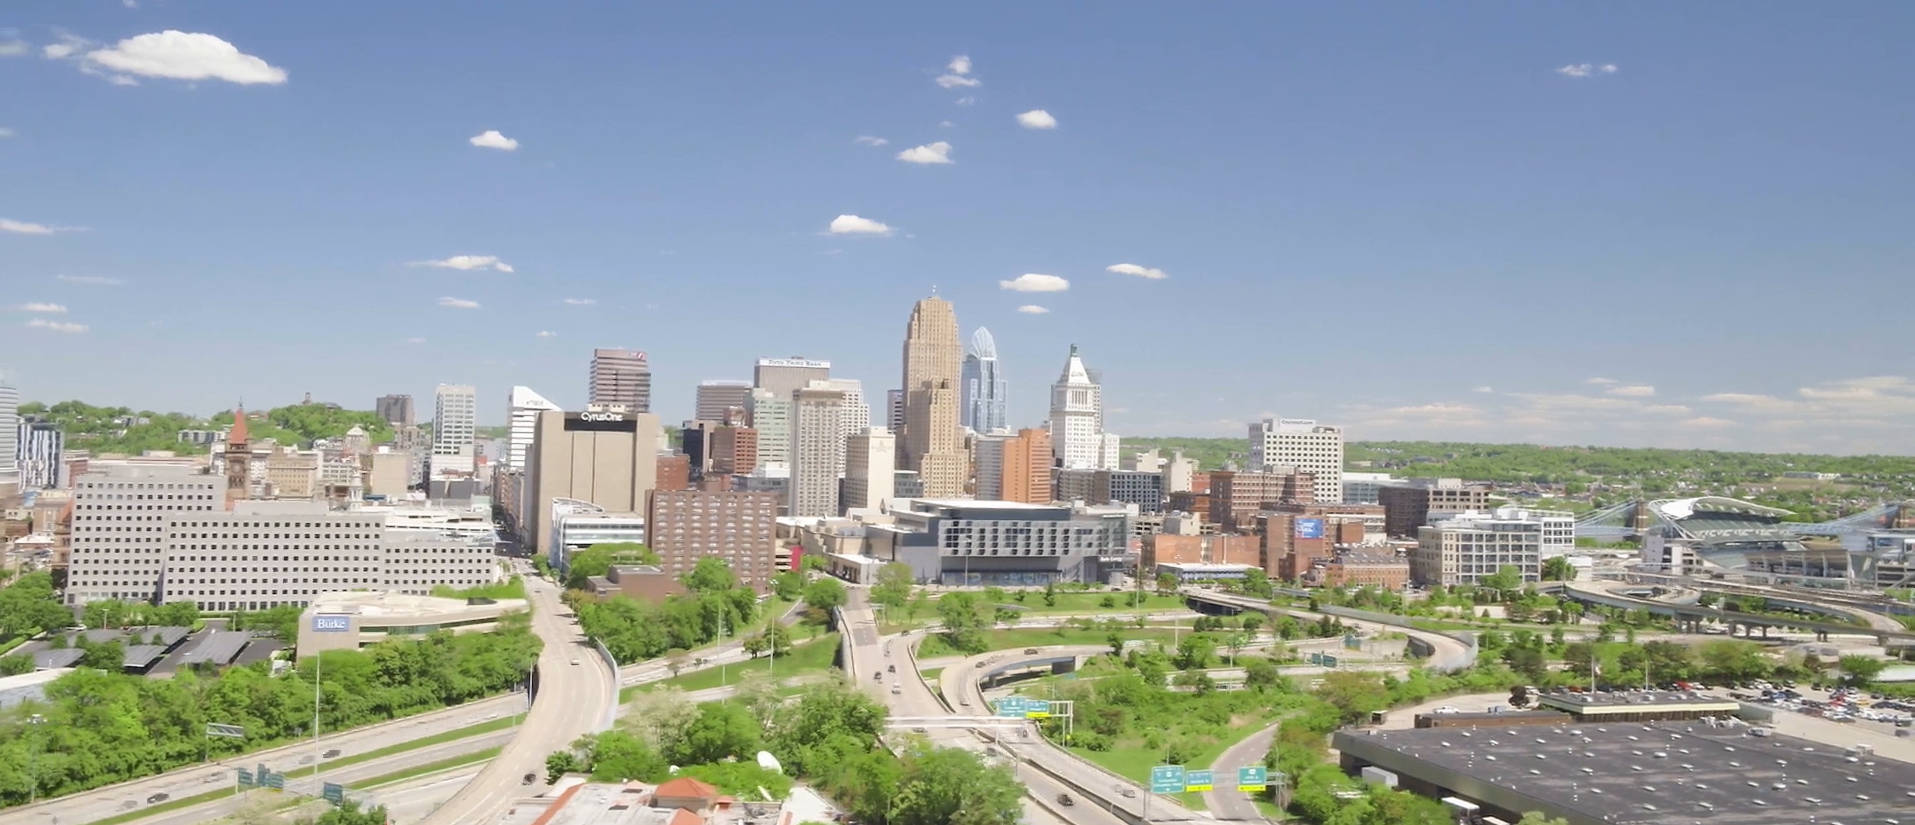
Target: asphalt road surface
(575, 697)
(1223, 799)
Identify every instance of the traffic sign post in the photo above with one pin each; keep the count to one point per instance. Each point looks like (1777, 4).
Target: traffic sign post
(1252, 778)
(1329, 661)
(1167, 779)
(334, 793)
(276, 781)
(1196, 781)
(242, 780)
(1037, 709)
(229, 731)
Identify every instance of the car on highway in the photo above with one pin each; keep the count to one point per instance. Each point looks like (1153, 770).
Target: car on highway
(575, 663)
(1065, 800)
(158, 797)
(891, 668)
(1030, 651)
(528, 779)
(1129, 793)
(330, 754)
(877, 676)
(895, 690)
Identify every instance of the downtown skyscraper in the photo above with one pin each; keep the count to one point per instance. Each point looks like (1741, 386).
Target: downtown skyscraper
(983, 383)
(621, 377)
(931, 442)
(1077, 419)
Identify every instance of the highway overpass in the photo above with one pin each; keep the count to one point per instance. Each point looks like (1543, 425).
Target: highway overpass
(1612, 595)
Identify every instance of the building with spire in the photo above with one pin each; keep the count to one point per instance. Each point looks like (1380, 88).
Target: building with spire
(931, 443)
(983, 383)
(239, 459)
(1077, 419)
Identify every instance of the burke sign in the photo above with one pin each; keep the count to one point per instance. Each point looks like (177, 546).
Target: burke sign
(331, 623)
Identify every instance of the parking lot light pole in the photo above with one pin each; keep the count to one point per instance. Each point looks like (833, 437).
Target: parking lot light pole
(33, 761)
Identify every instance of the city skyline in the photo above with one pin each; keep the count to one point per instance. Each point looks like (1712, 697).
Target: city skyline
(1623, 234)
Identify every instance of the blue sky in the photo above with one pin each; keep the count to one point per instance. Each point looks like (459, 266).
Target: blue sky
(1417, 221)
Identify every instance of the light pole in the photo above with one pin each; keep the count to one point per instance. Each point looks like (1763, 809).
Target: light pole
(33, 762)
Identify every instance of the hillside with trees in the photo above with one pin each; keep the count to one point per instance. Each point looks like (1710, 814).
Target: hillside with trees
(126, 430)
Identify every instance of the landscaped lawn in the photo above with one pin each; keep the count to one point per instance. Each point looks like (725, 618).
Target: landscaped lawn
(934, 645)
(1093, 602)
(806, 657)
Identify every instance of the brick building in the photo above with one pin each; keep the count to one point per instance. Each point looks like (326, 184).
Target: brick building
(739, 528)
(1235, 497)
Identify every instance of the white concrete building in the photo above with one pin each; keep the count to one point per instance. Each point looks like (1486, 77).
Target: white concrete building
(522, 417)
(1302, 443)
(817, 451)
(1470, 546)
(455, 417)
(854, 414)
(120, 513)
(870, 469)
(9, 440)
(1077, 419)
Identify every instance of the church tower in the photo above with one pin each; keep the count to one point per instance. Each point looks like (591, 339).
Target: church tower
(239, 459)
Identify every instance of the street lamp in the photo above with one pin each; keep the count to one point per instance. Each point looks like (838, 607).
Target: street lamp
(33, 770)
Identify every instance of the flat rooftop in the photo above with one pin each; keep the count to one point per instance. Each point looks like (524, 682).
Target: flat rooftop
(1643, 699)
(1637, 773)
(378, 604)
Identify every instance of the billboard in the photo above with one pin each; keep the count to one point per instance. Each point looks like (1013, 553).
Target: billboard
(1309, 528)
(331, 623)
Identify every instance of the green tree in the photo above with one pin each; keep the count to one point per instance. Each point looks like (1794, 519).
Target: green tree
(710, 575)
(1558, 569)
(825, 594)
(1166, 583)
(1732, 660)
(893, 586)
(721, 730)
(1195, 652)
(789, 585)
(952, 786)
(29, 606)
(1859, 670)
(1506, 580)
(349, 813)
(617, 756)
(1354, 694)
(598, 559)
(14, 664)
(964, 617)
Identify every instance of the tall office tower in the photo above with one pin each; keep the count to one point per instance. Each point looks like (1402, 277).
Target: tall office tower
(454, 418)
(987, 465)
(395, 410)
(523, 415)
(606, 456)
(41, 465)
(984, 385)
(715, 397)
(1027, 467)
(1077, 417)
(894, 412)
(621, 377)
(784, 376)
(817, 452)
(9, 440)
(770, 415)
(119, 526)
(932, 358)
(870, 469)
(1302, 443)
(855, 414)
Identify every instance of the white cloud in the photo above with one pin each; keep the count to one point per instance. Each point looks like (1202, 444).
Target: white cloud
(579, 302)
(57, 326)
(957, 73)
(1706, 422)
(491, 139)
(1601, 381)
(1138, 270)
(869, 140)
(40, 306)
(1483, 388)
(89, 280)
(467, 263)
(415, 340)
(1036, 119)
(1632, 390)
(25, 228)
(854, 225)
(546, 333)
(1587, 69)
(458, 303)
(183, 56)
(1035, 282)
(1033, 309)
(13, 48)
(967, 100)
(938, 152)
(68, 46)
(5, 132)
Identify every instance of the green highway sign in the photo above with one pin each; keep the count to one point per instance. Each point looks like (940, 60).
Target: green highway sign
(1252, 779)
(1037, 709)
(1316, 658)
(245, 778)
(1167, 779)
(1329, 661)
(1352, 642)
(1011, 706)
(276, 781)
(1196, 780)
(333, 792)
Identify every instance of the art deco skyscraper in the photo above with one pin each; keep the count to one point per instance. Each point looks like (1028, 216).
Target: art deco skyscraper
(1077, 418)
(931, 444)
(983, 384)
